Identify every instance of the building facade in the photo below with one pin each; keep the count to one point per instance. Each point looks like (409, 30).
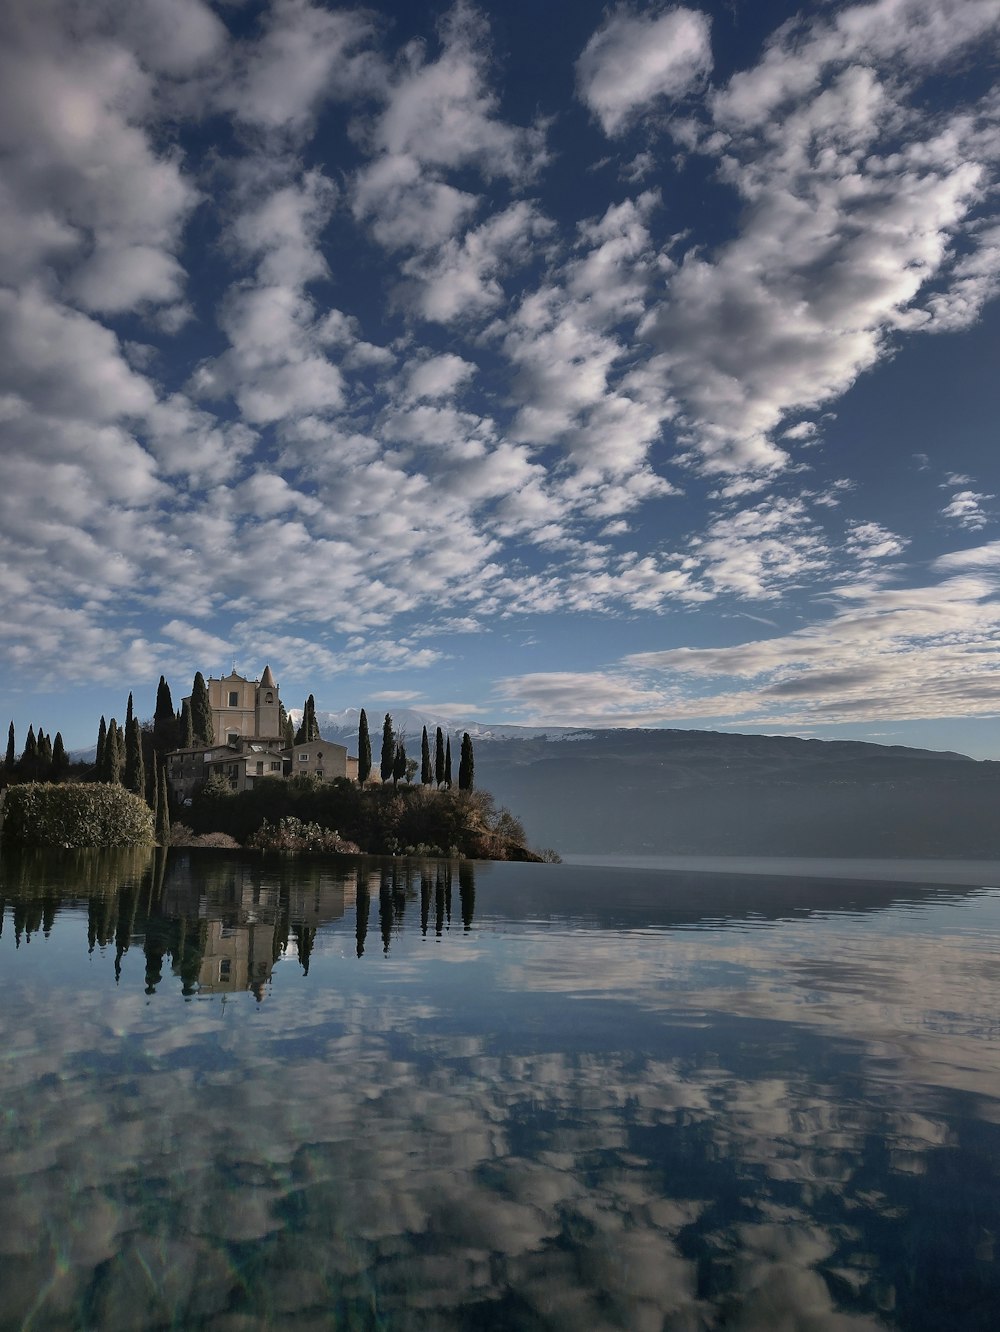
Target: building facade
(250, 743)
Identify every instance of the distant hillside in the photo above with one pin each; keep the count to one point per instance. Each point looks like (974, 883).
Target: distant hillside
(707, 792)
(703, 792)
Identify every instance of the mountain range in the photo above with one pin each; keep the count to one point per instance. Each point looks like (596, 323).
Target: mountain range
(707, 792)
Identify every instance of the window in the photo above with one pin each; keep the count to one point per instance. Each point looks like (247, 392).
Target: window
(276, 767)
(225, 969)
(303, 758)
(260, 766)
(234, 699)
(233, 737)
(268, 698)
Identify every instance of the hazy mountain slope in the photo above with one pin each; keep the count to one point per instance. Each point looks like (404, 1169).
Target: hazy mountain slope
(698, 792)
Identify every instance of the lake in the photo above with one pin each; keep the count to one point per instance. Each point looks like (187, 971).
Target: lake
(245, 1093)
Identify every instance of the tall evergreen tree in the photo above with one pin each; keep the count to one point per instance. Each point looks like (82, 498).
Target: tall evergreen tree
(313, 731)
(201, 712)
(44, 761)
(388, 756)
(135, 776)
(439, 756)
(60, 760)
(29, 755)
(447, 762)
(11, 756)
(113, 755)
(399, 763)
(186, 737)
(129, 713)
(162, 806)
(364, 749)
(102, 740)
(289, 732)
(466, 765)
(164, 721)
(426, 771)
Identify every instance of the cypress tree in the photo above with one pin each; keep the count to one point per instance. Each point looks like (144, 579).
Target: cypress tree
(439, 756)
(466, 765)
(186, 737)
(129, 714)
(300, 734)
(11, 757)
(29, 757)
(60, 759)
(447, 763)
(426, 771)
(113, 755)
(388, 750)
(135, 776)
(364, 749)
(102, 741)
(312, 725)
(44, 763)
(162, 807)
(289, 732)
(201, 712)
(399, 763)
(164, 721)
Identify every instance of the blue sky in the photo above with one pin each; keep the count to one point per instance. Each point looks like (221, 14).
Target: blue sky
(565, 363)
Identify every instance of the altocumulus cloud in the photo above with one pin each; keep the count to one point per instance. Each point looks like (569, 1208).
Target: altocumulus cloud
(324, 330)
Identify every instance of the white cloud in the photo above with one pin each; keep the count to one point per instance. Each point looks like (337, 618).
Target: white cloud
(304, 55)
(884, 654)
(967, 509)
(637, 57)
(437, 376)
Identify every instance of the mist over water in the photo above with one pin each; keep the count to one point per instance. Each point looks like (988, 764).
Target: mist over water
(248, 1093)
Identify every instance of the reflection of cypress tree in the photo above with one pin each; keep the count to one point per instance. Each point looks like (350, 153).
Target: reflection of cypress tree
(101, 918)
(385, 911)
(49, 908)
(439, 903)
(425, 900)
(154, 960)
(467, 893)
(304, 939)
(188, 954)
(447, 895)
(127, 900)
(362, 908)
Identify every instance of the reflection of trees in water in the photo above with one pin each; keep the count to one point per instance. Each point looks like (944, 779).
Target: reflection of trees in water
(217, 922)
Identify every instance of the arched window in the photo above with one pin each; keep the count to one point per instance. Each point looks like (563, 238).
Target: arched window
(268, 698)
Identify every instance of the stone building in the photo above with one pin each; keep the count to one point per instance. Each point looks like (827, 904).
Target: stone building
(249, 742)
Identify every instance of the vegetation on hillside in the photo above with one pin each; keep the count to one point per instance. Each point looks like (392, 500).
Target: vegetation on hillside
(384, 820)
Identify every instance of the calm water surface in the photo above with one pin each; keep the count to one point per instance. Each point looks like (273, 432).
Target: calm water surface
(241, 1093)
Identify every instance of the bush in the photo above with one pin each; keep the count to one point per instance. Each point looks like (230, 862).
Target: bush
(294, 836)
(75, 814)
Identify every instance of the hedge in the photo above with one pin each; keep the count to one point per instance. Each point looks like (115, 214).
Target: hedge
(74, 814)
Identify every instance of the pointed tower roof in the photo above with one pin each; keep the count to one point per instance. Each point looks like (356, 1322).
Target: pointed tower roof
(267, 679)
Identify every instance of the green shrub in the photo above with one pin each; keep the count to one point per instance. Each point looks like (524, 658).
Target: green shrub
(292, 835)
(75, 814)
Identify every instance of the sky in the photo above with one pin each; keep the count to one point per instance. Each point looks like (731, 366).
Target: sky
(551, 363)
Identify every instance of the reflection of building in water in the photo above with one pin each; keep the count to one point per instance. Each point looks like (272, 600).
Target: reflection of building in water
(236, 957)
(246, 915)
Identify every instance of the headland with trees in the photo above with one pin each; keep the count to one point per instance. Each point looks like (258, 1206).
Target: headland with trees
(401, 806)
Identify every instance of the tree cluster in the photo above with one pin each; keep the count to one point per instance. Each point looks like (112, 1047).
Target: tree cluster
(43, 759)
